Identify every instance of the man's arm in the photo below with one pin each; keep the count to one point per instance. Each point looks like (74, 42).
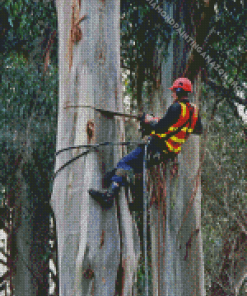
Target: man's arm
(171, 117)
(162, 125)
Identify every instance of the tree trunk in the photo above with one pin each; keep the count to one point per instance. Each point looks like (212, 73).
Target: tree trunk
(22, 242)
(30, 237)
(177, 257)
(90, 246)
(233, 270)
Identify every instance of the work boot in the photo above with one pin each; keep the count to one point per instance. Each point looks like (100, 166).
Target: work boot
(106, 198)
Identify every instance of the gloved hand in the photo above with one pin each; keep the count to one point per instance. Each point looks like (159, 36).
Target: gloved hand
(151, 119)
(147, 122)
(148, 118)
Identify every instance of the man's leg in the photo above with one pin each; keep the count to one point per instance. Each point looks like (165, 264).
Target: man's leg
(132, 161)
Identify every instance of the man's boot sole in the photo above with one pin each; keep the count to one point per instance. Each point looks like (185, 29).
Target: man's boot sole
(97, 196)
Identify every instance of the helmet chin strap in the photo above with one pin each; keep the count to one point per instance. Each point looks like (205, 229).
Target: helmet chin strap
(181, 93)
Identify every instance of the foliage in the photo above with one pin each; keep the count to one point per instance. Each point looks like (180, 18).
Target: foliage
(223, 176)
(29, 28)
(28, 96)
(226, 45)
(28, 101)
(223, 185)
(28, 116)
(142, 30)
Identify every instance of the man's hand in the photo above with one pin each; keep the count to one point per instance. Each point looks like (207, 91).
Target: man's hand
(147, 118)
(147, 122)
(151, 119)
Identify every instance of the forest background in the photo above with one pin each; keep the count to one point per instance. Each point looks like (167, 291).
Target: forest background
(28, 118)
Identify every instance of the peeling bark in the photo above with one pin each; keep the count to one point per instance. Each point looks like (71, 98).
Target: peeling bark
(88, 238)
(177, 257)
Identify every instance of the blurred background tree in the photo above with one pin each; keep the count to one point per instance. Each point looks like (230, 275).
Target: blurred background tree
(28, 100)
(28, 108)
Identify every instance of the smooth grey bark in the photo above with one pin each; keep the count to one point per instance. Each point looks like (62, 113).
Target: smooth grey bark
(179, 265)
(89, 240)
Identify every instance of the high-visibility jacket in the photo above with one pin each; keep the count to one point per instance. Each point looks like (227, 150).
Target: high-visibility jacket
(179, 132)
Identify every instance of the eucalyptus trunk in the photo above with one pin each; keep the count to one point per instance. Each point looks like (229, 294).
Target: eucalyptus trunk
(175, 216)
(96, 250)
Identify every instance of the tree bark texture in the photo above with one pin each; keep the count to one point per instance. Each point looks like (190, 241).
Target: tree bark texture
(30, 235)
(97, 253)
(177, 256)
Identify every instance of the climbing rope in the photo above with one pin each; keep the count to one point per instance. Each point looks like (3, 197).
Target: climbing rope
(145, 208)
(91, 147)
(94, 147)
(196, 180)
(145, 197)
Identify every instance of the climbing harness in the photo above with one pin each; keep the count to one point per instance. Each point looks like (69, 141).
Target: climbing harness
(94, 147)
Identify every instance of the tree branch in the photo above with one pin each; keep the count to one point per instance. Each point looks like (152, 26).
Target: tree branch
(195, 61)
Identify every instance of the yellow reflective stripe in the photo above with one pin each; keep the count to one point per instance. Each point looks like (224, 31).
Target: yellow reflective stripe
(172, 148)
(187, 130)
(177, 140)
(172, 129)
(169, 145)
(162, 135)
(183, 109)
(184, 129)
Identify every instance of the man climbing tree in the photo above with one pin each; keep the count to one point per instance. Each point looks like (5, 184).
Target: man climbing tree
(167, 134)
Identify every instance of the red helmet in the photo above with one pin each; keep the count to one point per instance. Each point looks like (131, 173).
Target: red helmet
(183, 83)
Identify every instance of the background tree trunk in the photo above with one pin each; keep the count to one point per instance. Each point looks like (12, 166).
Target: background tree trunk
(22, 239)
(89, 243)
(177, 257)
(29, 234)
